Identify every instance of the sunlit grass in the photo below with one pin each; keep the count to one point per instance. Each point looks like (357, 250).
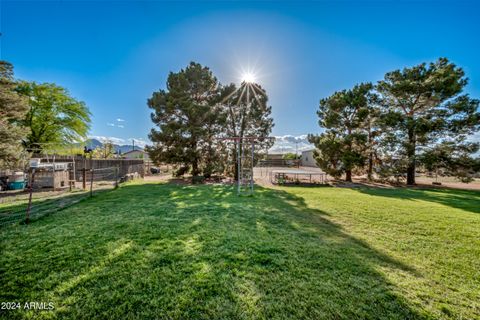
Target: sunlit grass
(188, 252)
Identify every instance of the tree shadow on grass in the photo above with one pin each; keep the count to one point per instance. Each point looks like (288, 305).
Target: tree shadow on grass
(467, 200)
(198, 252)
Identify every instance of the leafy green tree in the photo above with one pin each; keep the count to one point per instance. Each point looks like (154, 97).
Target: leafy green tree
(54, 117)
(423, 106)
(247, 115)
(290, 156)
(13, 109)
(188, 119)
(106, 151)
(343, 115)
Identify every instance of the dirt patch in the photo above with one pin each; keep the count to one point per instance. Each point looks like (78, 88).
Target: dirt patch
(187, 180)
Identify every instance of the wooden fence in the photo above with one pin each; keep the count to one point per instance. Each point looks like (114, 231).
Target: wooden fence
(125, 166)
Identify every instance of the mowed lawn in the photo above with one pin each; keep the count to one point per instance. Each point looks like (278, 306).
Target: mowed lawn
(158, 251)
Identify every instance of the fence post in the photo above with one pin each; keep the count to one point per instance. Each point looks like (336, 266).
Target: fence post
(74, 175)
(91, 182)
(116, 177)
(29, 207)
(53, 176)
(84, 172)
(84, 178)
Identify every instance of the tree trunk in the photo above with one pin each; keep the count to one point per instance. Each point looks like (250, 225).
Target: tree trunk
(411, 156)
(195, 167)
(194, 161)
(411, 173)
(235, 163)
(195, 170)
(370, 167)
(370, 155)
(348, 175)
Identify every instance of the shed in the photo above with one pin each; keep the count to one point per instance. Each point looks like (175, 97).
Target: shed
(50, 175)
(307, 159)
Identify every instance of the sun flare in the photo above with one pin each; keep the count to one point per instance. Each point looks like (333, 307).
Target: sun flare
(248, 77)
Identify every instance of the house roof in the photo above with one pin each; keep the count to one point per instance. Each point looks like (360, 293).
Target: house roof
(142, 151)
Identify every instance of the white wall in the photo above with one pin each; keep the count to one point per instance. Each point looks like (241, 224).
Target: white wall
(307, 159)
(136, 154)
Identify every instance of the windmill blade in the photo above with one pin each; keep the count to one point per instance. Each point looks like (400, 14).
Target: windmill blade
(255, 94)
(241, 94)
(258, 88)
(230, 95)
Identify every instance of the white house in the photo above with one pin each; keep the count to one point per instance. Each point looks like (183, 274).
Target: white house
(307, 159)
(136, 154)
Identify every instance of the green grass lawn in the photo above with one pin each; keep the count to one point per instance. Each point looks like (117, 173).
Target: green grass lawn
(13, 208)
(158, 251)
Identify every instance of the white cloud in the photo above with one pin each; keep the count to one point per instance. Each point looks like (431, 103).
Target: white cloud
(289, 143)
(110, 124)
(104, 139)
(121, 126)
(120, 120)
(139, 142)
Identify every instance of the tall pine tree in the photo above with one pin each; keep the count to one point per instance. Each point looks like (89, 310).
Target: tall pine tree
(188, 119)
(423, 106)
(345, 116)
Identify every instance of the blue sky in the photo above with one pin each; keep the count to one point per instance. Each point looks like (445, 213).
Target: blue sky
(114, 54)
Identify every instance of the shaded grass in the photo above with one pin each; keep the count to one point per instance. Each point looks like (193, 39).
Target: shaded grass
(189, 252)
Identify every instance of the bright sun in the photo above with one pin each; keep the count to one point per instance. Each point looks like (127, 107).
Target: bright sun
(248, 77)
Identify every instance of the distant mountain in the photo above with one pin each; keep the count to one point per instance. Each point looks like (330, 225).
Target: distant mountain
(94, 143)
